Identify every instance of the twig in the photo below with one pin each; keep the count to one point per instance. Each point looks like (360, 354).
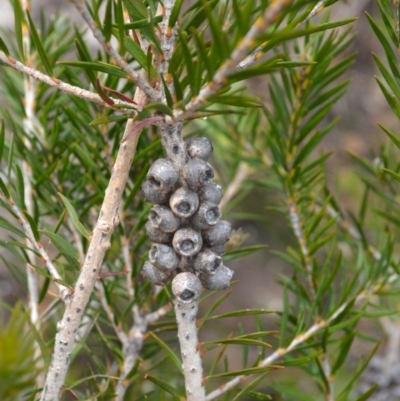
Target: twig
(317, 9)
(64, 87)
(301, 338)
(241, 174)
(326, 366)
(169, 37)
(238, 55)
(63, 291)
(29, 123)
(256, 54)
(126, 254)
(295, 221)
(131, 348)
(99, 244)
(250, 59)
(109, 312)
(151, 93)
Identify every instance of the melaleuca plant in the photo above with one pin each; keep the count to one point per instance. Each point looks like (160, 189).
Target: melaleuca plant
(119, 213)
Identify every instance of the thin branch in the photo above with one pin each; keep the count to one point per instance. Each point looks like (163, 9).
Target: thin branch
(256, 54)
(317, 9)
(30, 121)
(233, 188)
(301, 338)
(63, 291)
(131, 348)
(64, 87)
(169, 38)
(99, 244)
(151, 93)
(295, 221)
(326, 366)
(238, 55)
(109, 312)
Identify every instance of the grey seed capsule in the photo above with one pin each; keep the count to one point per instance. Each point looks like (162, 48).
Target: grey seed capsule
(163, 174)
(197, 173)
(211, 192)
(207, 261)
(155, 276)
(199, 147)
(163, 257)
(184, 202)
(156, 196)
(218, 281)
(207, 215)
(218, 234)
(186, 287)
(158, 236)
(187, 242)
(218, 249)
(161, 217)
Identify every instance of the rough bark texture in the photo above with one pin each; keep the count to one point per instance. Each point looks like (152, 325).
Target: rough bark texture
(186, 288)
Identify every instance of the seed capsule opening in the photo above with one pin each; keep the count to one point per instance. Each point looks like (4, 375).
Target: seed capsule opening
(184, 202)
(197, 173)
(154, 182)
(154, 218)
(187, 242)
(186, 295)
(163, 174)
(186, 287)
(217, 263)
(212, 215)
(207, 215)
(183, 207)
(207, 176)
(207, 261)
(187, 245)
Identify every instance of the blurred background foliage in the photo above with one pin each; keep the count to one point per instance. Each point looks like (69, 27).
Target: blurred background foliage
(313, 200)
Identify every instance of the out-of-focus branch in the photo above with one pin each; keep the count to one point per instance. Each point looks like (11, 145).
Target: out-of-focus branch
(63, 291)
(29, 123)
(151, 93)
(238, 55)
(169, 37)
(233, 188)
(296, 223)
(64, 87)
(316, 9)
(326, 366)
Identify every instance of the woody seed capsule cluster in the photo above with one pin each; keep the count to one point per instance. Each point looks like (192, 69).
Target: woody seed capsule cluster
(185, 224)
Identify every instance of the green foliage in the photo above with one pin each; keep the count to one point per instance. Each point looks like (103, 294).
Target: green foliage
(17, 354)
(270, 144)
